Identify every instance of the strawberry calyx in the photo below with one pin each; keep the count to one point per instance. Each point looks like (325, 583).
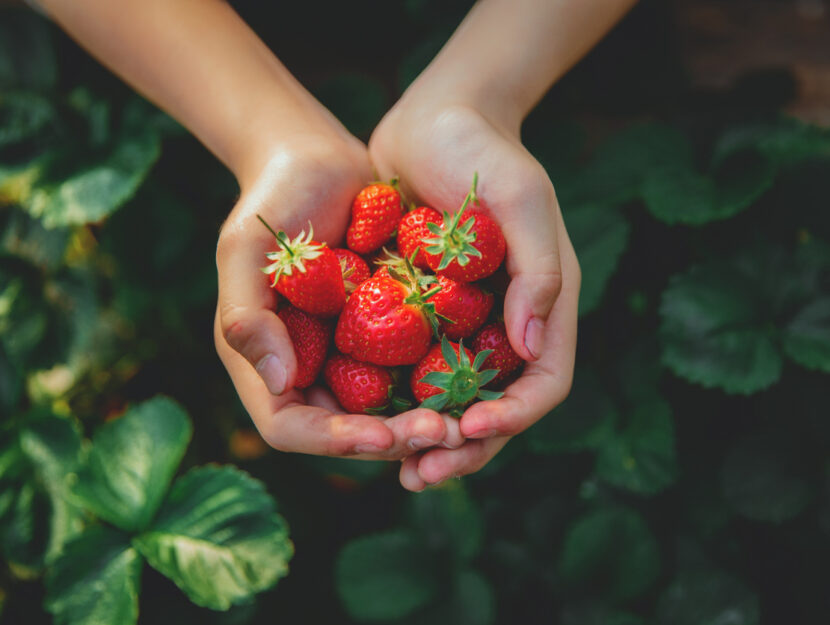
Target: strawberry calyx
(394, 404)
(404, 270)
(462, 384)
(453, 239)
(292, 253)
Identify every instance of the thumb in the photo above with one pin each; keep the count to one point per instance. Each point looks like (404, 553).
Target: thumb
(535, 272)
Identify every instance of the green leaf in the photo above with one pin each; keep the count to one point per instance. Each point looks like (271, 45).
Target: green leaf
(708, 598)
(218, 537)
(357, 100)
(807, 336)
(600, 236)
(384, 577)
(447, 519)
(93, 190)
(785, 142)
(25, 237)
(641, 458)
(763, 479)
(27, 56)
(131, 463)
(612, 551)
(583, 421)
(95, 581)
(23, 115)
(470, 601)
(716, 330)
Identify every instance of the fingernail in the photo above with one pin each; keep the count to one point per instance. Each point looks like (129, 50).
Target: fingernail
(419, 442)
(534, 337)
(482, 434)
(272, 371)
(367, 448)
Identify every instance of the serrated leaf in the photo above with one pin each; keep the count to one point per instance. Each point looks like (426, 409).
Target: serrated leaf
(807, 336)
(131, 463)
(708, 598)
(470, 601)
(600, 236)
(447, 520)
(716, 330)
(763, 480)
(96, 580)
(218, 537)
(582, 421)
(641, 458)
(384, 577)
(612, 550)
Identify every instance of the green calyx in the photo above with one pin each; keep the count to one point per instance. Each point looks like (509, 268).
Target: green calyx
(453, 239)
(292, 253)
(394, 404)
(462, 383)
(421, 286)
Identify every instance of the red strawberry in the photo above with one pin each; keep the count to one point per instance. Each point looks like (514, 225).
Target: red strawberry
(445, 379)
(465, 307)
(354, 268)
(467, 246)
(412, 229)
(385, 322)
(307, 273)
(360, 387)
(310, 337)
(376, 212)
(494, 337)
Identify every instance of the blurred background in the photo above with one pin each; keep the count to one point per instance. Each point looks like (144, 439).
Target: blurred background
(685, 481)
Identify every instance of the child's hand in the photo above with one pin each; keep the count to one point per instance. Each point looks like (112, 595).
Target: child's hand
(309, 178)
(435, 150)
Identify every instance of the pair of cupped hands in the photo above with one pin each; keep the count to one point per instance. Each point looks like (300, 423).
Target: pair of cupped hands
(312, 174)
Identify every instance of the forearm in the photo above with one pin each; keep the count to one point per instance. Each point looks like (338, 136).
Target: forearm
(200, 62)
(507, 53)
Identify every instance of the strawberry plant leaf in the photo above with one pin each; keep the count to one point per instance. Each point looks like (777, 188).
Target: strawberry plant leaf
(131, 463)
(447, 520)
(385, 577)
(641, 458)
(600, 237)
(96, 580)
(218, 537)
(23, 115)
(612, 546)
(25, 237)
(708, 598)
(807, 336)
(785, 141)
(470, 601)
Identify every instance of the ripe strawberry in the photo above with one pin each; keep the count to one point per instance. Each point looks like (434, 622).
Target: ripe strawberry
(445, 379)
(354, 268)
(494, 337)
(376, 212)
(412, 229)
(467, 246)
(310, 337)
(462, 307)
(307, 273)
(361, 387)
(385, 322)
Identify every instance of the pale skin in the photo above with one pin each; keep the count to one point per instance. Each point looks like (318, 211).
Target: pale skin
(296, 163)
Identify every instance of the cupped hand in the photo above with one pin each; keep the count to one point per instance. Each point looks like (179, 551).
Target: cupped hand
(435, 150)
(310, 178)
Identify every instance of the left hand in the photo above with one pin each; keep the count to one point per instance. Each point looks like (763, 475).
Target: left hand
(434, 150)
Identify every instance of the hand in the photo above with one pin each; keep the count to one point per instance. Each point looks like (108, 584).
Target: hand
(435, 150)
(308, 178)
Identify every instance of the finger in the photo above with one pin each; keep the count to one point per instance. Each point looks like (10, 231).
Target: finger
(544, 383)
(408, 475)
(453, 439)
(534, 266)
(438, 465)
(246, 309)
(415, 430)
(287, 424)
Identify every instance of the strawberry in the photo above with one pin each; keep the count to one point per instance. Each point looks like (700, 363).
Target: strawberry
(461, 307)
(361, 387)
(307, 273)
(445, 380)
(412, 229)
(376, 212)
(467, 246)
(385, 322)
(354, 268)
(310, 337)
(494, 337)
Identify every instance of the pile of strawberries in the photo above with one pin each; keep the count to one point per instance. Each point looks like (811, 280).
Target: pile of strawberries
(432, 288)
